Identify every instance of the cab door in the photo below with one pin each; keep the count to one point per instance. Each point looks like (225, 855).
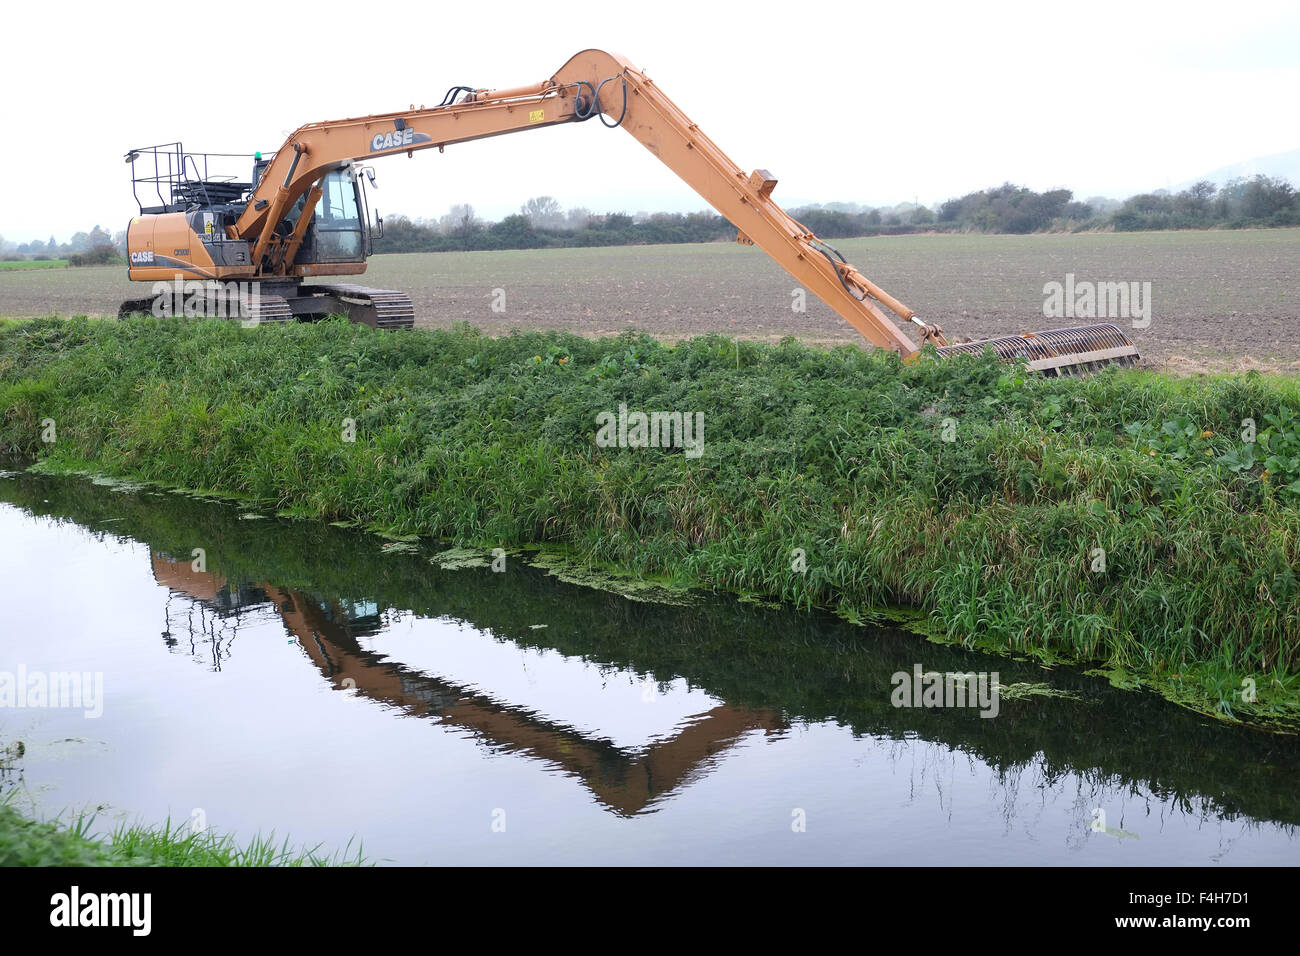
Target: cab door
(336, 231)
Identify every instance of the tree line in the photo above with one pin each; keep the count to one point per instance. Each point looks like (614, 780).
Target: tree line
(1261, 201)
(96, 247)
(541, 223)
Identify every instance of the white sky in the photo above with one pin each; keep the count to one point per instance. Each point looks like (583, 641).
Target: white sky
(867, 102)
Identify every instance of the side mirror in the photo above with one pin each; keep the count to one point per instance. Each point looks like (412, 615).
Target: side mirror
(379, 225)
(370, 175)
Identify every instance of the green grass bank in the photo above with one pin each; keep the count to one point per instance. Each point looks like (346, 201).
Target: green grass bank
(28, 264)
(1146, 524)
(28, 842)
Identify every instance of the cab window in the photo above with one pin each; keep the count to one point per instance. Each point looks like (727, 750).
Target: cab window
(338, 222)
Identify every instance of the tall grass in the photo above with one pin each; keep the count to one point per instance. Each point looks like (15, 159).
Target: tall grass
(28, 842)
(995, 534)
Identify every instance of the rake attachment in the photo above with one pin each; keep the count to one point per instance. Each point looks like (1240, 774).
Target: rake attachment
(1075, 351)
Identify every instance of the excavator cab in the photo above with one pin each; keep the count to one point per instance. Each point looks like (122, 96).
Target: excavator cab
(186, 208)
(339, 230)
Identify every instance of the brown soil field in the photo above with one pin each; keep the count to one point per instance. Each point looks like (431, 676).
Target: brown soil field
(1220, 300)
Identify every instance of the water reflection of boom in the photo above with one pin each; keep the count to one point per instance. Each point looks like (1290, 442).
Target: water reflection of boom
(627, 782)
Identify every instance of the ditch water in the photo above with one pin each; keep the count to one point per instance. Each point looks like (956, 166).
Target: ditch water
(304, 681)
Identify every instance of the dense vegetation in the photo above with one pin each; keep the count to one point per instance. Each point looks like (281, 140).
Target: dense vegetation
(1261, 201)
(996, 534)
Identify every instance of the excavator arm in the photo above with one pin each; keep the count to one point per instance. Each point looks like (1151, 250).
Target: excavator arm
(593, 83)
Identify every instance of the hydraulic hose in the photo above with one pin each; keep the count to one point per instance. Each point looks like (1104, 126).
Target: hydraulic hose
(596, 102)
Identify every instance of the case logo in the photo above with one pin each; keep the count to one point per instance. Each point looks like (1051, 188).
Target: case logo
(392, 139)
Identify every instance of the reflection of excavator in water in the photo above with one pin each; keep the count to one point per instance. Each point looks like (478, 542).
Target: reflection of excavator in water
(626, 782)
(304, 213)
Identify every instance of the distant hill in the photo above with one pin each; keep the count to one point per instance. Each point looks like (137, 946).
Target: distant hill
(1279, 165)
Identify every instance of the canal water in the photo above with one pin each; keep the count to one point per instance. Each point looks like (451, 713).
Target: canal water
(319, 683)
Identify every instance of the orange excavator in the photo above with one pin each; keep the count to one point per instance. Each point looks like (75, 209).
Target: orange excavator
(304, 214)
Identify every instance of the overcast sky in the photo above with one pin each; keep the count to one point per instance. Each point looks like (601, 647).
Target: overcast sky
(865, 102)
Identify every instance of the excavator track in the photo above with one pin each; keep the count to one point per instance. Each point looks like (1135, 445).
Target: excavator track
(269, 308)
(266, 308)
(382, 308)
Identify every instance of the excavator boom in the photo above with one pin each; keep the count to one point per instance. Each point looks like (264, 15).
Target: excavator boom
(596, 84)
